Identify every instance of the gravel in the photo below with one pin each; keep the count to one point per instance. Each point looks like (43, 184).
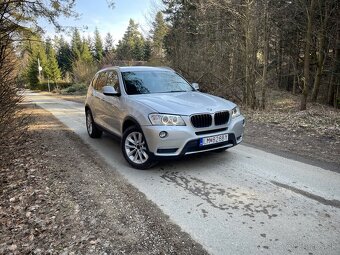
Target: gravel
(58, 197)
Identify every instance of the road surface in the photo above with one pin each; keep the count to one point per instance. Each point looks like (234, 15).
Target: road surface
(243, 201)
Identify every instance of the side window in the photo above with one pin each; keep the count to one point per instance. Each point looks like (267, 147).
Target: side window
(112, 80)
(100, 81)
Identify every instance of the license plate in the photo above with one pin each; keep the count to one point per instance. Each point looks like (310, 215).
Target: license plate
(213, 139)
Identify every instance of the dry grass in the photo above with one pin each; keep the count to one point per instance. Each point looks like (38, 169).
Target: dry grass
(283, 110)
(75, 98)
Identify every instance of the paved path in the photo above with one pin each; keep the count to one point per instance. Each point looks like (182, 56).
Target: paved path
(243, 201)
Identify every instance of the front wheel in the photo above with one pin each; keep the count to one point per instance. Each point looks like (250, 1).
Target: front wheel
(91, 127)
(135, 149)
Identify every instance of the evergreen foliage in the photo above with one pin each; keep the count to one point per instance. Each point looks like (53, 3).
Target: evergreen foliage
(76, 44)
(86, 55)
(98, 46)
(158, 33)
(37, 56)
(64, 56)
(52, 71)
(108, 44)
(131, 47)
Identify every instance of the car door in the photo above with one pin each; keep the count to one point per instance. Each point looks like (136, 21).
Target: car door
(112, 115)
(98, 104)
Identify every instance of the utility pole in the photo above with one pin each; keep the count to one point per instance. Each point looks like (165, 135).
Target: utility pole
(39, 70)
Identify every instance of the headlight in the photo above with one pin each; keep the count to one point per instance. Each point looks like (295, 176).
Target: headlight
(157, 119)
(235, 112)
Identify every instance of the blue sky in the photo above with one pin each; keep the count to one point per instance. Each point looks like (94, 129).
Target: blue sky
(96, 13)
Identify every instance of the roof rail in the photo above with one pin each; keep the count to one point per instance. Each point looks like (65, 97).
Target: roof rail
(165, 67)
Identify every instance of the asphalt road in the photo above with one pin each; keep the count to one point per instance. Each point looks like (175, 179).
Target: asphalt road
(243, 201)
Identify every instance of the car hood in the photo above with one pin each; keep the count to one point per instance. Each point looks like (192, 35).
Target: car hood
(184, 103)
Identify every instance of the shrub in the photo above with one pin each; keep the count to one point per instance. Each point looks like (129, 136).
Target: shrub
(12, 122)
(59, 85)
(75, 88)
(83, 72)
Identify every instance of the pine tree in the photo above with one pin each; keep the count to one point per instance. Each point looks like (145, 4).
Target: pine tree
(53, 72)
(138, 49)
(108, 45)
(98, 46)
(158, 34)
(64, 55)
(37, 56)
(85, 52)
(131, 47)
(32, 73)
(147, 50)
(76, 44)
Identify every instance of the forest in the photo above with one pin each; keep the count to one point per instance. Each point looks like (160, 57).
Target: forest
(235, 49)
(62, 192)
(73, 63)
(239, 48)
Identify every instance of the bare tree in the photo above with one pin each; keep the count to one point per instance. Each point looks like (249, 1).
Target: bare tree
(308, 43)
(17, 19)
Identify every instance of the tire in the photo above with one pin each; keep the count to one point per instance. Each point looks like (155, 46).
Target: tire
(135, 149)
(92, 129)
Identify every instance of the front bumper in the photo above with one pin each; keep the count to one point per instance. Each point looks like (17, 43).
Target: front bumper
(184, 140)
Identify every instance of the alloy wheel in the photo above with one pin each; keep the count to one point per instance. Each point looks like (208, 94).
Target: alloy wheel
(89, 123)
(135, 148)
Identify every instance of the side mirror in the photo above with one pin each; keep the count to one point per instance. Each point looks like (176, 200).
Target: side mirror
(195, 86)
(110, 91)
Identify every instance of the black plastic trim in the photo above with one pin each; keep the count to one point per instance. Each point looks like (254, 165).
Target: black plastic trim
(193, 145)
(172, 150)
(211, 131)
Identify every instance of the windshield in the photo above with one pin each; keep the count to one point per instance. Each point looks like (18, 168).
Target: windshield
(147, 82)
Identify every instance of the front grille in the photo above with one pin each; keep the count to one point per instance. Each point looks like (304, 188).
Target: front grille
(201, 120)
(221, 118)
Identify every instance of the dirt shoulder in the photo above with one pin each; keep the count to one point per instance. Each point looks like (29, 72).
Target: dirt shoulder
(312, 135)
(56, 196)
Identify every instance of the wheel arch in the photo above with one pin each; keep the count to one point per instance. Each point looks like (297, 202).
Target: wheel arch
(129, 122)
(87, 107)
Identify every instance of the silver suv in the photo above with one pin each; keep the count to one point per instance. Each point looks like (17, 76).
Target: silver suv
(158, 114)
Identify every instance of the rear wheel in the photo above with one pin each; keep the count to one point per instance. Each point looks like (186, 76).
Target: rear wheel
(91, 127)
(135, 149)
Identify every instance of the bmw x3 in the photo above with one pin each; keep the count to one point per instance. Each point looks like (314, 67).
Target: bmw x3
(157, 114)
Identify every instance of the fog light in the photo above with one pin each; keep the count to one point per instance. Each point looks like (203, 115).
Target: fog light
(163, 134)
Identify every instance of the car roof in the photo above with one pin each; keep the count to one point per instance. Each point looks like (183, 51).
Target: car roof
(138, 68)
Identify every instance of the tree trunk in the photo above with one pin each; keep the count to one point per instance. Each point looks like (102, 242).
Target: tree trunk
(333, 88)
(247, 55)
(306, 73)
(279, 62)
(319, 70)
(321, 51)
(265, 55)
(296, 64)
